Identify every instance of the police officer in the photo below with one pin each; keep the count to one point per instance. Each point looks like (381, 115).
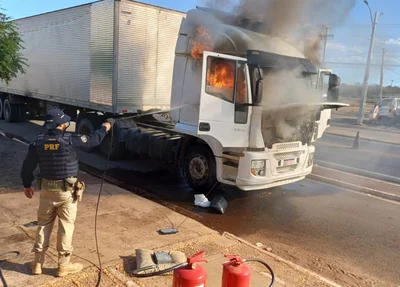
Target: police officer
(55, 152)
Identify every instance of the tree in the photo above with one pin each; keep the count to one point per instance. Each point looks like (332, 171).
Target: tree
(11, 60)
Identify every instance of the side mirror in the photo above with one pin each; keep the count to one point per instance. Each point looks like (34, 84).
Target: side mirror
(334, 81)
(258, 93)
(333, 90)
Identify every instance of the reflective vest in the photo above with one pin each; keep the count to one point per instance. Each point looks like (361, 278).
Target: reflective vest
(57, 157)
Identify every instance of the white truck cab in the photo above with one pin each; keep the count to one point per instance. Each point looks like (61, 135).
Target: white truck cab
(222, 104)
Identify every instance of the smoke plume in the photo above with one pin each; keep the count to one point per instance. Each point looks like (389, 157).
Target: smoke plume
(298, 21)
(288, 95)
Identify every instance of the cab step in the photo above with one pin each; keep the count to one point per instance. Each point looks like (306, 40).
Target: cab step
(231, 164)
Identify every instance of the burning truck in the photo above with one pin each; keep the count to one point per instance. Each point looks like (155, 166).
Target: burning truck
(218, 99)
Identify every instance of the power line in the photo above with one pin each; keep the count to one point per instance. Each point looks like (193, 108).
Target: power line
(360, 64)
(366, 25)
(394, 71)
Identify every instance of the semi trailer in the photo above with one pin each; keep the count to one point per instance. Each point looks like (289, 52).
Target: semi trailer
(188, 89)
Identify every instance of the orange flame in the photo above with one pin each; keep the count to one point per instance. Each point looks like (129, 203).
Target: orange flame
(221, 75)
(202, 42)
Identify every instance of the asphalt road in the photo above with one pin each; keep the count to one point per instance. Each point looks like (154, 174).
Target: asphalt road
(371, 156)
(349, 237)
(346, 236)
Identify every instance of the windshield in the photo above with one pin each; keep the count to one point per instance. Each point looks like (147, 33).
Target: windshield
(288, 113)
(283, 86)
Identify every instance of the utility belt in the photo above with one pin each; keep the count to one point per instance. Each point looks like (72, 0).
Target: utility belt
(70, 184)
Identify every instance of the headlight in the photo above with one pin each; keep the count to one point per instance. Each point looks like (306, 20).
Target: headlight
(258, 167)
(258, 164)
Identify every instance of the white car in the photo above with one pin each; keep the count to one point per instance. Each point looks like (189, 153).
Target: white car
(387, 110)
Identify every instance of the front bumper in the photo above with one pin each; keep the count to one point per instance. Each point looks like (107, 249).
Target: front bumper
(276, 172)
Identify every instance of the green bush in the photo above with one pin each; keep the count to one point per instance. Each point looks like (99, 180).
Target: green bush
(11, 60)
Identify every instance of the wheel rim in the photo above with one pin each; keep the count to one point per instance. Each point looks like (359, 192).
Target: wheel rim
(198, 168)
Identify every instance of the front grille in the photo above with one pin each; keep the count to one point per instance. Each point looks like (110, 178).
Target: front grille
(287, 155)
(284, 169)
(283, 146)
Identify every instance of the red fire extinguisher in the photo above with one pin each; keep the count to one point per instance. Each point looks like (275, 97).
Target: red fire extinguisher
(236, 273)
(192, 275)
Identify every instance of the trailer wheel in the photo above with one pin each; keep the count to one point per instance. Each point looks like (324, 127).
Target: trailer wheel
(11, 112)
(199, 169)
(1, 107)
(116, 149)
(85, 127)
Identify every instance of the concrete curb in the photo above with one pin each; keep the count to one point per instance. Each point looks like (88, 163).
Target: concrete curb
(354, 187)
(282, 260)
(364, 139)
(6, 135)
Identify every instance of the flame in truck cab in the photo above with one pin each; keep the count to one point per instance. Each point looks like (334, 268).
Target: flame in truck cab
(221, 74)
(202, 42)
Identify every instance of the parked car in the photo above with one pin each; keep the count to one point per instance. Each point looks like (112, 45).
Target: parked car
(386, 111)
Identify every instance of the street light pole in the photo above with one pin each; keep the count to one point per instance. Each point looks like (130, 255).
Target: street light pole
(382, 69)
(360, 119)
(325, 37)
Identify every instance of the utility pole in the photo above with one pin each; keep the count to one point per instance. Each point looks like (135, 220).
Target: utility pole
(360, 119)
(325, 38)
(392, 83)
(383, 63)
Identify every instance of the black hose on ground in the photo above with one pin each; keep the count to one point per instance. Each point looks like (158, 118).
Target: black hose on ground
(266, 265)
(137, 272)
(17, 254)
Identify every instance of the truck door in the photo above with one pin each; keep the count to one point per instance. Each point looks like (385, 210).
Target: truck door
(225, 93)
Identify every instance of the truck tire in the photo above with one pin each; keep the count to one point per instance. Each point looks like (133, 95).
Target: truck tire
(11, 112)
(84, 127)
(1, 107)
(199, 169)
(112, 147)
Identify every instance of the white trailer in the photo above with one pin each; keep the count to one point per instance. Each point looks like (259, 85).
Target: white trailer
(124, 58)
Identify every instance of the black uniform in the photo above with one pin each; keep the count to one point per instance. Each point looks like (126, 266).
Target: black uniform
(55, 152)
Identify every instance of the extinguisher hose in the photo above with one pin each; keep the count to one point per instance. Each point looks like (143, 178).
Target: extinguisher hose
(138, 272)
(266, 265)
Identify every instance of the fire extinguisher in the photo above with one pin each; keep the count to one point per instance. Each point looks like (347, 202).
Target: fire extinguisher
(186, 274)
(236, 273)
(192, 275)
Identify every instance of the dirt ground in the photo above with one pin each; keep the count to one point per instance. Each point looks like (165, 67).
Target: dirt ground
(126, 222)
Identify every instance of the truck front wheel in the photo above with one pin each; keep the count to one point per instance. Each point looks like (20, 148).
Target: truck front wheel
(199, 169)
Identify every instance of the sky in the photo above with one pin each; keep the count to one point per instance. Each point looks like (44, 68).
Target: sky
(346, 53)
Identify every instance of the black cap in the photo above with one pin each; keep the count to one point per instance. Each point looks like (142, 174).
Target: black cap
(55, 118)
